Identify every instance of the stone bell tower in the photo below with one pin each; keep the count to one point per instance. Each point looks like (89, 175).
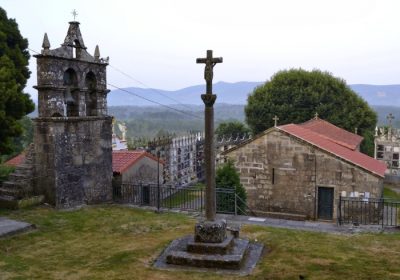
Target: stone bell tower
(73, 152)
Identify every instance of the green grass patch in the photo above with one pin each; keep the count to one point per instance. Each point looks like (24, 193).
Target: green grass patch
(390, 194)
(113, 242)
(183, 196)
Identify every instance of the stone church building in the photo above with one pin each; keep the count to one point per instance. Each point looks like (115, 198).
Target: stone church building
(300, 171)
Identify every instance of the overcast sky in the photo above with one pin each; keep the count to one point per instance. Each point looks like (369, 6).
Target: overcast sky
(157, 41)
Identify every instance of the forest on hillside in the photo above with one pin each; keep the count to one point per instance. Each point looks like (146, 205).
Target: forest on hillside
(155, 121)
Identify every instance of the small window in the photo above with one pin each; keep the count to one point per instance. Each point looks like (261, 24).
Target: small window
(381, 147)
(273, 176)
(396, 156)
(395, 163)
(379, 155)
(338, 175)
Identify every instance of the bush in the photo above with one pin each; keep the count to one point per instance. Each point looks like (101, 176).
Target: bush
(5, 170)
(228, 178)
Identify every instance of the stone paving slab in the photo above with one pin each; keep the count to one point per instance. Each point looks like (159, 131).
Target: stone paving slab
(306, 225)
(10, 227)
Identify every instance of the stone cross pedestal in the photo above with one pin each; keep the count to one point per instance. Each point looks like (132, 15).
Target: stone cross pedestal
(211, 247)
(209, 231)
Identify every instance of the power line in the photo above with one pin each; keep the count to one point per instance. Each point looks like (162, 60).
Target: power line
(143, 84)
(155, 102)
(33, 50)
(147, 99)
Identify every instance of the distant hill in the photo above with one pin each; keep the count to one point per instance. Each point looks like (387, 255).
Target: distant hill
(388, 95)
(229, 93)
(236, 93)
(384, 111)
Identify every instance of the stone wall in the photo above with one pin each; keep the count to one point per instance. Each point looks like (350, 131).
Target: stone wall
(73, 160)
(281, 174)
(143, 171)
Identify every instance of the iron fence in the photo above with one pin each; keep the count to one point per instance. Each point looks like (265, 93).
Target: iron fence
(176, 197)
(368, 211)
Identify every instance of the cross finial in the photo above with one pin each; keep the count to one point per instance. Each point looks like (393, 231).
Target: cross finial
(74, 14)
(316, 115)
(390, 117)
(356, 130)
(276, 119)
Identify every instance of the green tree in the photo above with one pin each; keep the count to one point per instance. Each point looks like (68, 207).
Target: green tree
(26, 138)
(14, 72)
(228, 178)
(296, 95)
(231, 128)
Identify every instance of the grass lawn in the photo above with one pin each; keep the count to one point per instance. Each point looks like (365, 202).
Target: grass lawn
(391, 194)
(113, 242)
(183, 196)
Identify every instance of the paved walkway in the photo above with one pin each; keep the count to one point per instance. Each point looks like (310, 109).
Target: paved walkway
(305, 225)
(10, 227)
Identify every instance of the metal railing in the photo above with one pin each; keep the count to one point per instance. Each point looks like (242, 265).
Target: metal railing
(177, 197)
(368, 211)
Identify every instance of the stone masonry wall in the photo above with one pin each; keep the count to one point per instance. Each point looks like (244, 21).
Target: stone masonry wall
(281, 174)
(74, 160)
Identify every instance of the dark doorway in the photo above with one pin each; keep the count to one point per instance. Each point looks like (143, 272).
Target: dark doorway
(145, 195)
(325, 203)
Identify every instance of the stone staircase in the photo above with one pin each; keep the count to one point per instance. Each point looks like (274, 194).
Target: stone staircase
(17, 191)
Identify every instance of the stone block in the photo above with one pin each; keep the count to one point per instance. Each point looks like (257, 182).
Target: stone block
(210, 231)
(233, 259)
(210, 248)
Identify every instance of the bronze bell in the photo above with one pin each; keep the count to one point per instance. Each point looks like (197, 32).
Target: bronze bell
(68, 97)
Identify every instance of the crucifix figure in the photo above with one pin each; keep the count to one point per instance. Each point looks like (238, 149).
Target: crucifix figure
(210, 62)
(276, 119)
(74, 13)
(209, 151)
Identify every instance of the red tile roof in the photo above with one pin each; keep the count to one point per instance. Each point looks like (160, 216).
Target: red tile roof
(334, 133)
(331, 146)
(122, 160)
(15, 161)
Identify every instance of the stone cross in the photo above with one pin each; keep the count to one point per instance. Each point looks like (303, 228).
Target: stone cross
(74, 13)
(209, 151)
(316, 115)
(210, 62)
(276, 119)
(390, 117)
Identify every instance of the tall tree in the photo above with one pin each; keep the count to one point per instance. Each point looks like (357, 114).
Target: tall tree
(296, 95)
(231, 128)
(14, 73)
